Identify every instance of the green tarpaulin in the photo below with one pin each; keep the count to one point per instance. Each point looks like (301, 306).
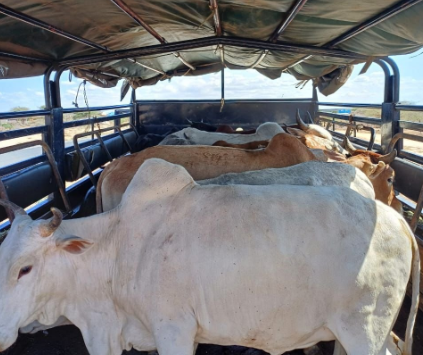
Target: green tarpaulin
(102, 22)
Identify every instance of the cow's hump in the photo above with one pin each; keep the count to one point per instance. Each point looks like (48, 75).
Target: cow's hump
(155, 179)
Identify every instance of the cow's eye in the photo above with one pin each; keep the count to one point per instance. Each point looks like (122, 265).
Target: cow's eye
(390, 180)
(24, 271)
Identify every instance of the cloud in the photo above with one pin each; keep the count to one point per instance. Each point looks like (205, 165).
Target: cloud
(239, 84)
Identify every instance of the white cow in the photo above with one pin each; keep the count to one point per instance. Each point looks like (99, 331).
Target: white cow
(313, 173)
(273, 267)
(193, 136)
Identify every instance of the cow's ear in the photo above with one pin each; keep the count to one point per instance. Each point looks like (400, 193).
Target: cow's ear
(73, 244)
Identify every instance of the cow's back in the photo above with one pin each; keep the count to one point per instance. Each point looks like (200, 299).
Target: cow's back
(202, 162)
(272, 259)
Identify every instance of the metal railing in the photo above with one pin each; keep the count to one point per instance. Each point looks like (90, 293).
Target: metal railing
(53, 143)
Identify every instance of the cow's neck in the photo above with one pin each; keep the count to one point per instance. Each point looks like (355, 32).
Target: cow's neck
(90, 304)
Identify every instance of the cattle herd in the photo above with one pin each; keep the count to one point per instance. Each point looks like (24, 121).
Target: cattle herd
(274, 239)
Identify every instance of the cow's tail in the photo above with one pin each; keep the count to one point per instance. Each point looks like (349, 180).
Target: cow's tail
(415, 294)
(98, 197)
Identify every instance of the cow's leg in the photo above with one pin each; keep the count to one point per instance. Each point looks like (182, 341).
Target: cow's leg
(174, 339)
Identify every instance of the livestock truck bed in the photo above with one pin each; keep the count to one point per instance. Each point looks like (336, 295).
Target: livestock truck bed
(144, 43)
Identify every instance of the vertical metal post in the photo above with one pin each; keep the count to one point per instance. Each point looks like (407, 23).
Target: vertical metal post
(314, 103)
(390, 116)
(55, 137)
(134, 111)
(222, 88)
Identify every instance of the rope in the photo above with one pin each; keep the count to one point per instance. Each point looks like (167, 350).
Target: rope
(84, 93)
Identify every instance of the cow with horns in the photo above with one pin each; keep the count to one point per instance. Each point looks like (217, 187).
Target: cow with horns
(127, 279)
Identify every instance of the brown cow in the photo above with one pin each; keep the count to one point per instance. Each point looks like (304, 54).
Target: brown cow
(249, 145)
(310, 140)
(377, 169)
(315, 136)
(202, 162)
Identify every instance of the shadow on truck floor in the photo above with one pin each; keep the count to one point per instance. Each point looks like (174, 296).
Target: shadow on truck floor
(67, 340)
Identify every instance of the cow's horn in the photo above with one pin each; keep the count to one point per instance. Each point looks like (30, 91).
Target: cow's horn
(52, 224)
(348, 145)
(303, 126)
(388, 158)
(18, 211)
(309, 117)
(190, 122)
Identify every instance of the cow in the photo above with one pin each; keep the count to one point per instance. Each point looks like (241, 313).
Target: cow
(313, 173)
(192, 136)
(250, 145)
(202, 162)
(315, 136)
(375, 166)
(155, 273)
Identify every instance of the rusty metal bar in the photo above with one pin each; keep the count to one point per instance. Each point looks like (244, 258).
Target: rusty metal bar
(53, 29)
(24, 57)
(4, 196)
(45, 26)
(371, 22)
(292, 12)
(216, 18)
(51, 161)
(355, 127)
(103, 146)
(138, 19)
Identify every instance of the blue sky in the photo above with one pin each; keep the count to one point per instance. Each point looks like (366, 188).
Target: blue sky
(366, 88)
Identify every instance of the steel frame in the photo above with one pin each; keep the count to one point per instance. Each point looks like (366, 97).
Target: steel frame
(52, 163)
(102, 144)
(371, 22)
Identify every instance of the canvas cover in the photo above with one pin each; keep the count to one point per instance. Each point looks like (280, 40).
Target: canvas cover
(102, 22)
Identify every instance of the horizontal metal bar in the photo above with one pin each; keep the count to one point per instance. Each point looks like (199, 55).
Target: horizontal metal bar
(373, 21)
(341, 104)
(409, 107)
(144, 102)
(94, 120)
(98, 108)
(22, 132)
(24, 57)
(95, 140)
(23, 114)
(411, 156)
(52, 163)
(22, 165)
(45, 26)
(355, 127)
(358, 141)
(210, 41)
(402, 135)
(411, 125)
(371, 120)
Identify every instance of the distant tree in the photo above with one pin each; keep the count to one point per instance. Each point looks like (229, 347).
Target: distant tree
(19, 109)
(43, 107)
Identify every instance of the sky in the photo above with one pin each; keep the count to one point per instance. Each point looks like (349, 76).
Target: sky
(239, 84)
